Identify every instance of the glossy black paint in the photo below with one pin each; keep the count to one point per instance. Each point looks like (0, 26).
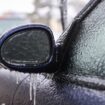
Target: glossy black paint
(49, 92)
(31, 69)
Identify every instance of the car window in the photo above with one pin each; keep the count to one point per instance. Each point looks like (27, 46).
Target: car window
(87, 57)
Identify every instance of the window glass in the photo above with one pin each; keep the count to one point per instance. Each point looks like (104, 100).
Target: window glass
(88, 57)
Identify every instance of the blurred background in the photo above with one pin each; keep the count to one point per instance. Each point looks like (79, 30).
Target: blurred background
(53, 13)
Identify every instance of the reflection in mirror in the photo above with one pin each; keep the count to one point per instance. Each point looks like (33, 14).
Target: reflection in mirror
(26, 47)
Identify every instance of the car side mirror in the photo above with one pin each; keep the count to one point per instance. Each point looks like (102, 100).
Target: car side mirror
(29, 48)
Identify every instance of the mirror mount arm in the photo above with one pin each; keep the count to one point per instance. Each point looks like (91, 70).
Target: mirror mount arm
(17, 54)
(63, 43)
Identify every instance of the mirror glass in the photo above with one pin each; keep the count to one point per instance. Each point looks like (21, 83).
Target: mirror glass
(26, 47)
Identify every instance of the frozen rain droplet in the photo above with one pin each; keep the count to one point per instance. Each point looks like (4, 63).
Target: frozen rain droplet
(3, 104)
(33, 85)
(36, 61)
(17, 77)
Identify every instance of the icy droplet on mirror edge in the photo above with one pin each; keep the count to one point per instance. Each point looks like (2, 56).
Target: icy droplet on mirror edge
(33, 85)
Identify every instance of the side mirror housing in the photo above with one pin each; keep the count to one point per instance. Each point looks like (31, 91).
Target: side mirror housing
(29, 48)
